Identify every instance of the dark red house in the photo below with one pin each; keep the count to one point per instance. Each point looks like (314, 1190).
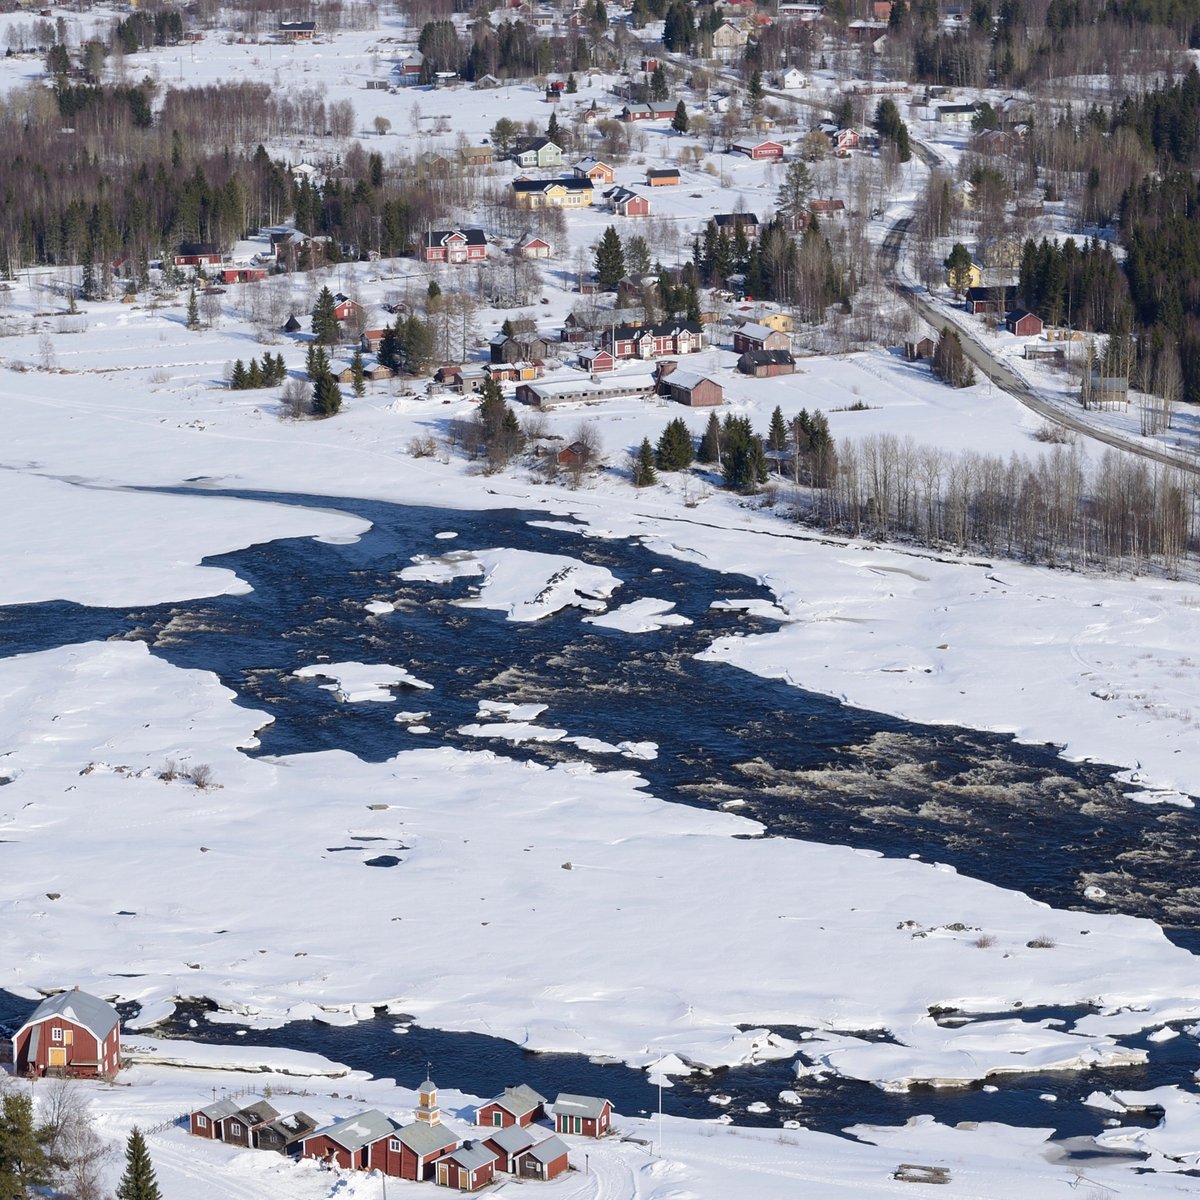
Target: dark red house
(73, 1034)
(759, 151)
(547, 1160)
(587, 1116)
(765, 364)
(653, 341)
(241, 1128)
(412, 1153)
(1023, 324)
(752, 336)
(454, 246)
(198, 254)
(507, 1145)
(471, 1167)
(284, 1135)
(242, 274)
(348, 1143)
(687, 387)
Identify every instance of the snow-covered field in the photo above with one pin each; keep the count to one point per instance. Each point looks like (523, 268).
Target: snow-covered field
(119, 880)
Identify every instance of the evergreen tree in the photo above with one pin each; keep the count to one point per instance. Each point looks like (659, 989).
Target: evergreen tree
(572, 86)
(389, 346)
(658, 83)
(317, 361)
(324, 322)
(193, 310)
(138, 1182)
(327, 396)
(359, 378)
(754, 91)
(949, 364)
(743, 462)
(644, 474)
(434, 290)
(23, 1161)
(710, 443)
(794, 192)
(958, 263)
(507, 327)
(679, 122)
(254, 377)
(552, 130)
(237, 378)
(777, 435)
(416, 346)
(610, 260)
(674, 450)
(504, 133)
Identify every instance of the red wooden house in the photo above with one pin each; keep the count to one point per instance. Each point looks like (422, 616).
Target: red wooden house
(348, 1143)
(73, 1034)
(282, 1135)
(507, 1145)
(197, 254)
(343, 307)
(412, 1153)
(1023, 324)
(241, 1128)
(759, 151)
(547, 1160)
(596, 360)
(371, 340)
(687, 387)
(625, 202)
(588, 1116)
(765, 364)
(753, 336)
(243, 274)
(653, 341)
(519, 1105)
(207, 1122)
(467, 1169)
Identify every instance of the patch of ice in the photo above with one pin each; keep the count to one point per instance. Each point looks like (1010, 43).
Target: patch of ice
(640, 616)
(379, 607)
(514, 731)
(356, 683)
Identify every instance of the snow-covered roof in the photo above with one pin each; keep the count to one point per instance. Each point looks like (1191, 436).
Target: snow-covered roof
(684, 379)
(757, 331)
(512, 1139)
(547, 1151)
(520, 1099)
(423, 1139)
(473, 1155)
(89, 1012)
(220, 1109)
(569, 1105)
(361, 1130)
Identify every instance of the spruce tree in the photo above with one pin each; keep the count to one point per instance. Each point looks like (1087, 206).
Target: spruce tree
(552, 130)
(644, 474)
(674, 449)
(358, 377)
(138, 1182)
(710, 443)
(658, 83)
(254, 376)
(193, 311)
(572, 86)
(777, 435)
(610, 260)
(324, 321)
(237, 378)
(23, 1161)
(327, 396)
(679, 122)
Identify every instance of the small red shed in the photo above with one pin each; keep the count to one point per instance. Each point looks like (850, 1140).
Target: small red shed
(547, 1160)
(468, 1168)
(73, 1034)
(1024, 324)
(507, 1145)
(206, 1122)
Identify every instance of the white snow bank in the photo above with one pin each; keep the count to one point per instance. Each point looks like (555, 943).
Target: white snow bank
(640, 616)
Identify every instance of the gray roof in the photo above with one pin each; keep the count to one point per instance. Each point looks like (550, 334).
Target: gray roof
(549, 1150)
(361, 1130)
(512, 1139)
(472, 1156)
(424, 1139)
(519, 1100)
(97, 1016)
(568, 1105)
(259, 1113)
(295, 1125)
(221, 1109)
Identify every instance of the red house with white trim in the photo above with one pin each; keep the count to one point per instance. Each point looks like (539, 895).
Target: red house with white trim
(348, 1143)
(206, 1122)
(587, 1116)
(454, 246)
(519, 1105)
(471, 1167)
(73, 1034)
(759, 151)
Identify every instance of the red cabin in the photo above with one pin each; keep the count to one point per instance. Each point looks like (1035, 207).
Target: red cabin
(519, 1105)
(348, 1144)
(207, 1122)
(73, 1034)
(468, 1169)
(588, 1116)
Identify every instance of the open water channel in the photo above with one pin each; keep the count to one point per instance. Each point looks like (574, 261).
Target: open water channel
(803, 764)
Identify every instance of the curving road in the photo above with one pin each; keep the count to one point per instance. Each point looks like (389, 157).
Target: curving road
(1004, 377)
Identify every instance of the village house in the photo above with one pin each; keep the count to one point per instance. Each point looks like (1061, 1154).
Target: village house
(408, 70)
(286, 1133)
(587, 1116)
(595, 360)
(972, 277)
(566, 192)
(471, 1167)
(347, 1143)
(728, 40)
(866, 33)
(657, 111)
(829, 209)
(753, 336)
(653, 341)
(513, 372)
(765, 364)
(533, 246)
(371, 340)
(687, 387)
(546, 1160)
(510, 1141)
(505, 348)
(198, 254)
(759, 151)
(454, 246)
(477, 156)
(730, 223)
(73, 1034)
(625, 202)
(343, 307)
(412, 1153)
(297, 31)
(954, 114)
(206, 1122)
(519, 1105)
(1023, 323)
(240, 1128)
(242, 274)
(792, 79)
(982, 300)
(662, 177)
(595, 170)
(537, 152)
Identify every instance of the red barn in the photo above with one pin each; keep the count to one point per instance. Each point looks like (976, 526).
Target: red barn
(242, 274)
(468, 1169)
(519, 1105)
(588, 1116)
(759, 151)
(348, 1144)
(74, 1034)
(690, 388)
(1024, 324)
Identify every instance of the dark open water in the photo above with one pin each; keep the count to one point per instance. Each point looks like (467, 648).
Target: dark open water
(805, 765)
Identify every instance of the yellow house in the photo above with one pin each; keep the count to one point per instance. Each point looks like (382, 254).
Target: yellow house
(779, 321)
(553, 193)
(974, 277)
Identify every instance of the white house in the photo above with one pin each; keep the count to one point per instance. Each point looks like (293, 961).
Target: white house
(793, 78)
